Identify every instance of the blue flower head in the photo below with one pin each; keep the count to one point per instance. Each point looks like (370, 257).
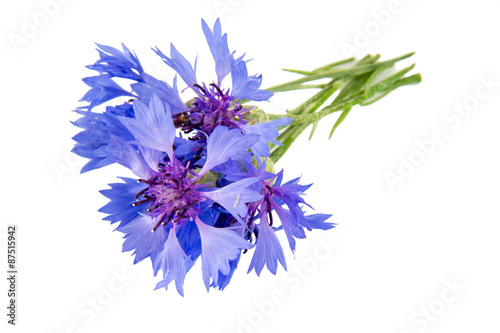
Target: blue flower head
(202, 186)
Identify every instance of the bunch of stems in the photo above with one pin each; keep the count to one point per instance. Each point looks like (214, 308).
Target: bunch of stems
(354, 82)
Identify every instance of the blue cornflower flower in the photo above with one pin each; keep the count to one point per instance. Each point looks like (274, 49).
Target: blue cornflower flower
(211, 107)
(275, 195)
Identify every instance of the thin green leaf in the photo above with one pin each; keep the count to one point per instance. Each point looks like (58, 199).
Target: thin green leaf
(313, 129)
(333, 64)
(315, 102)
(297, 71)
(339, 121)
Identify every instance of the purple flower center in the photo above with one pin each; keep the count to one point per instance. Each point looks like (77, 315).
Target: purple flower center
(171, 194)
(211, 108)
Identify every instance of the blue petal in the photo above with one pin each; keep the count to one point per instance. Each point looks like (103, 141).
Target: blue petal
(224, 144)
(318, 221)
(219, 246)
(138, 237)
(267, 133)
(103, 89)
(112, 63)
(298, 218)
(166, 93)
(97, 128)
(152, 157)
(290, 191)
(121, 197)
(244, 86)
(172, 261)
(268, 249)
(232, 172)
(219, 48)
(234, 197)
(153, 126)
(96, 163)
(123, 153)
(225, 279)
(189, 238)
(290, 226)
(117, 63)
(179, 64)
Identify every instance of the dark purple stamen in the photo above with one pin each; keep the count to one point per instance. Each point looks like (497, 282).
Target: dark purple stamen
(217, 88)
(140, 193)
(143, 201)
(269, 211)
(160, 221)
(200, 87)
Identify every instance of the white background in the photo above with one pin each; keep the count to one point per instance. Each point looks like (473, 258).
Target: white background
(396, 250)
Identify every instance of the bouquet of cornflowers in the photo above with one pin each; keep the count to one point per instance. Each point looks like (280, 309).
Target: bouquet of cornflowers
(205, 182)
